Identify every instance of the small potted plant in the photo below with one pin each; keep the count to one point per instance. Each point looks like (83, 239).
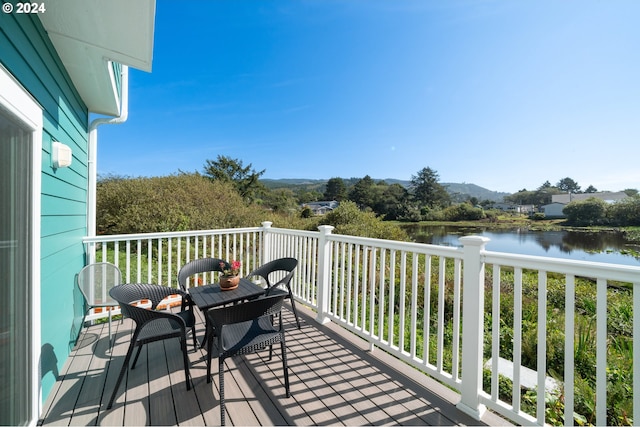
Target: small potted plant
(230, 277)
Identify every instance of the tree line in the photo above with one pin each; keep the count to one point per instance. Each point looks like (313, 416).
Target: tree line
(197, 201)
(424, 199)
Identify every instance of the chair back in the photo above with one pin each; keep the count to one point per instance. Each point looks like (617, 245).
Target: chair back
(96, 281)
(202, 265)
(281, 264)
(243, 312)
(128, 293)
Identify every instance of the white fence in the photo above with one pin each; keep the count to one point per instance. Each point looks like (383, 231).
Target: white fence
(425, 304)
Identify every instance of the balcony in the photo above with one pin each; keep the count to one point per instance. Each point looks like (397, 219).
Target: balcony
(367, 301)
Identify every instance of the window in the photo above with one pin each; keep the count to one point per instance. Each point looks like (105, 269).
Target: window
(20, 145)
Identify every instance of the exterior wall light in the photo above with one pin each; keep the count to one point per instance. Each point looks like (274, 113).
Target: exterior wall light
(61, 155)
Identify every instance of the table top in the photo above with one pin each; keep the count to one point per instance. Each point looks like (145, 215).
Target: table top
(209, 296)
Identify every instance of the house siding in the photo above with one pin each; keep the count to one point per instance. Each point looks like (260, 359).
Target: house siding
(27, 53)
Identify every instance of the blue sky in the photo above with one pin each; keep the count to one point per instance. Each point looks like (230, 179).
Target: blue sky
(502, 94)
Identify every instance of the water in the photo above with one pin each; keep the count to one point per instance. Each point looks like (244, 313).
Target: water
(601, 246)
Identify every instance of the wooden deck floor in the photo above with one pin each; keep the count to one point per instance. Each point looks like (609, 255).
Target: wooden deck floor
(335, 380)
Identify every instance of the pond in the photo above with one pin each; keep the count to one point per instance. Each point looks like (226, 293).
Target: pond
(597, 246)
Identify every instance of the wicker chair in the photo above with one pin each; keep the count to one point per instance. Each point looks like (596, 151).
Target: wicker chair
(151, 325)
(197, 266)
(286, 265)
(242, 329)
(202, 265)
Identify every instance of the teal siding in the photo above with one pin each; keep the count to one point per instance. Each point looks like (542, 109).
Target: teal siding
(26, 51)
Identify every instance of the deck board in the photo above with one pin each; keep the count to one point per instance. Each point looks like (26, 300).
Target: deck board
(335, 380)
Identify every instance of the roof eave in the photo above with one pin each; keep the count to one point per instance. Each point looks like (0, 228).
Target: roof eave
(90, 34)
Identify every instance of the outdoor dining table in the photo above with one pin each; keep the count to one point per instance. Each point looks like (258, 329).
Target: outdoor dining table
(211, 296)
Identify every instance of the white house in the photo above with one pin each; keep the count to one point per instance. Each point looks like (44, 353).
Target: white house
(607, 196)
(553, 210)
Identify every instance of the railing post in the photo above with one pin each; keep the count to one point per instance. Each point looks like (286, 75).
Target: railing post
(266, 242)
(324, 272)
(472, 326)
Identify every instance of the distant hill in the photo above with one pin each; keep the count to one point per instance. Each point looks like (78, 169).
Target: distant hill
(458, 192)
(473, 190)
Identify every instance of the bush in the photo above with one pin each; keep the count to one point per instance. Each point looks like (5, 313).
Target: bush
(171, 203)
(463, 212)
(349, 219)
(625, 212)
(591, 211)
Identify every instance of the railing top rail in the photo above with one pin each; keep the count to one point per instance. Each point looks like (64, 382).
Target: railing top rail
(619, 272)
(304, 233)
(143, 236)
(446, 251)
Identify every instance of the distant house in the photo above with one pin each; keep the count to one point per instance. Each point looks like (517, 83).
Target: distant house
(559, 201)
(510, 207)
(321, 208)
(58, 67)
(553, 210)
(506, 207)
(607, 196)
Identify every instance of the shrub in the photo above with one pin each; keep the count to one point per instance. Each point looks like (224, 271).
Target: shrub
(463, 212)
(171, 203)
(349, 219)
(625, 212)
(591, 211)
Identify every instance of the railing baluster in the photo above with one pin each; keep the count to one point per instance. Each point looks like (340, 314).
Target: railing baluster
(455, 363)
(392, 297)
(441, 295)
(542, 345)
(381, 292)
(601, 352)
(517, 337)
(372, 296)
(569, 347)
(414, 305)
(402, 296)
(363, 293)
(495, 332)
(427, 309)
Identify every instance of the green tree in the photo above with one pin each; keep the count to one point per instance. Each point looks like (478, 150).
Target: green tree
(362, 193)
(427, 191)
(591, 189)
(393, 202)
(245, 179)
(335, 190)
(568, 185)
(280, 200)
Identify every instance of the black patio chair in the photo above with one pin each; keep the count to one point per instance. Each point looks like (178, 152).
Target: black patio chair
(282, 286)
(197, 266)
(243, 329)
(151, 324)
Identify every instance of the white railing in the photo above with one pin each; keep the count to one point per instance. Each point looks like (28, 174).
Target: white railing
(425, 304)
